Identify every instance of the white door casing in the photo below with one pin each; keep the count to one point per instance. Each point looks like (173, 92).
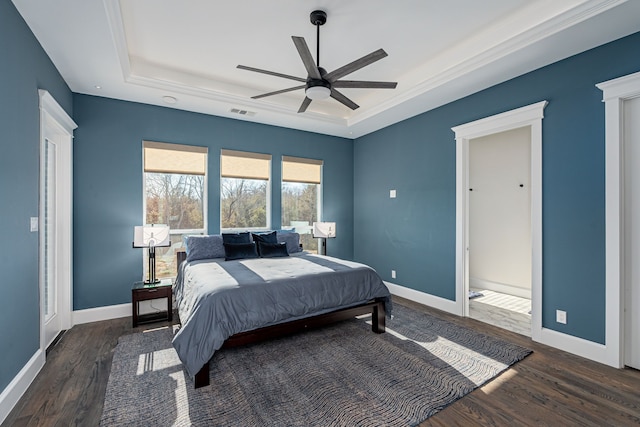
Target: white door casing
(530, 116)
(615, 93)
(56, 130)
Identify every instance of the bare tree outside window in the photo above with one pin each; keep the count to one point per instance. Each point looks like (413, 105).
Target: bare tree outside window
(176, 200)
(243, 203)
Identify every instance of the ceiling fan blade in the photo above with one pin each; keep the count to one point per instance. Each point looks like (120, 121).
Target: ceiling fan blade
(355, 65)
(357, 84)
(278, 92)
(307, 59)
(304, 105)
(343, 99)
(272, 73)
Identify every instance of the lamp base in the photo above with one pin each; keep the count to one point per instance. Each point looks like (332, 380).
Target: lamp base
(149, 282)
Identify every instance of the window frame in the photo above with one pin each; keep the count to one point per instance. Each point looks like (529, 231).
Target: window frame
(319, 192)
(268, 204)
(205, 191)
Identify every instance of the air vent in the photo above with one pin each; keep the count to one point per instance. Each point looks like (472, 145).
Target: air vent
(243, 112)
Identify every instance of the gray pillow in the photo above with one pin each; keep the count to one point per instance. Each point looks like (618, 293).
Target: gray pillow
(292, 240)
(204, 247)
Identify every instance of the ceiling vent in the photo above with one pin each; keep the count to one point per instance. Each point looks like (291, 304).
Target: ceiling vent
(243, 112)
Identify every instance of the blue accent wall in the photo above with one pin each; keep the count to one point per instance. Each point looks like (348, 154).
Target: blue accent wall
(24, 68)
(108, 183)
(415, 233)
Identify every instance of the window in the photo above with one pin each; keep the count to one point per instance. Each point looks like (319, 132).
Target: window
(244, 190)
(175, 193)
(301, 197)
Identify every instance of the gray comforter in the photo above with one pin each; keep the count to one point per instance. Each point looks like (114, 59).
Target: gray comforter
(217, 298)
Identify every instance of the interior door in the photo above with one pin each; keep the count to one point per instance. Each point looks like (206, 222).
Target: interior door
(632, 231)
(49, 241)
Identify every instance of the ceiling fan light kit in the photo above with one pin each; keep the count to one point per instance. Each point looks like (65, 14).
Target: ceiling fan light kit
(319, 84)
(317, 90)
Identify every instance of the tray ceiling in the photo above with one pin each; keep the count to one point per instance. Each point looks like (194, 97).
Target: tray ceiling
(186, 52)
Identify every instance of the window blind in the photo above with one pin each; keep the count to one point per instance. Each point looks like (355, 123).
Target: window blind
(298, 169)
(242, 164)
(161, 157)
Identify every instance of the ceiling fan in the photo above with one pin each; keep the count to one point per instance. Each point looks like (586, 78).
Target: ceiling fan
(319, 84)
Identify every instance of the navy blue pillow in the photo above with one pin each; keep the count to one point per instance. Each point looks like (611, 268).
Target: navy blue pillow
(236, 237)
(272, 250)
(264, 238)
(239, 251)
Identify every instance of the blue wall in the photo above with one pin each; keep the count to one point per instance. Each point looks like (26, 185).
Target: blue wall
(24, 68)
(415, 233)
(108, 183)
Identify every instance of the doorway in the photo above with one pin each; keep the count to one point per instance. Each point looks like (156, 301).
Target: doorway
(529, 117)
(54, 223)
(499, 234)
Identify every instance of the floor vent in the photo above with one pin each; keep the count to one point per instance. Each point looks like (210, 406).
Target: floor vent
(243, 112)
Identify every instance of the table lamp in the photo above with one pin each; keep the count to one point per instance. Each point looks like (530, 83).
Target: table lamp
(324, 231)
(151, 236)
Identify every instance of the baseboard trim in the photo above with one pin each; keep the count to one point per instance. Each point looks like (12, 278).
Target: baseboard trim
(424, 298)
(504, 288)
(101, 313)
(578, 346)
(20, 383)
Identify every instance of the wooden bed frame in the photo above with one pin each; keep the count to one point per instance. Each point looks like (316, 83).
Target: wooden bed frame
(374, 307)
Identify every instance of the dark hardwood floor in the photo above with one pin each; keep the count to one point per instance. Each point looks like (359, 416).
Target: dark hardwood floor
(550, 387)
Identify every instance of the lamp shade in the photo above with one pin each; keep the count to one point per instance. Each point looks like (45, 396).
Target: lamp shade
(325, 230)
(151, 236)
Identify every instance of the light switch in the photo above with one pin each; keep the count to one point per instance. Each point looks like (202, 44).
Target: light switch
(34, 223)
(392, 194)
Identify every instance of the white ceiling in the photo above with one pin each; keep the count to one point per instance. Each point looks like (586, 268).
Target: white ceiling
(439, 51)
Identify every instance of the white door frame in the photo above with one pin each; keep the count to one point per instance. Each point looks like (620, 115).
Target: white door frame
(530, 116)
(55, 124)
(615, 92)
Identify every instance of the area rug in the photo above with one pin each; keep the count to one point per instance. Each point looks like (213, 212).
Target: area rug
(339, 375)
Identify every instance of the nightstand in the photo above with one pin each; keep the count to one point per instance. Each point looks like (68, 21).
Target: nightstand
(143, 291)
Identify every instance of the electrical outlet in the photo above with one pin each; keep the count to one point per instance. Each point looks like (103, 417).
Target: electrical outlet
(33, 224)
(561, 317)
(392, 194)
(393, 274)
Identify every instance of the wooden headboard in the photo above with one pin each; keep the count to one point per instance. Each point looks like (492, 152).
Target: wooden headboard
(181, 256)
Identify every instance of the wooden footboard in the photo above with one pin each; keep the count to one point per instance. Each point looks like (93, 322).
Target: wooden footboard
(376, 308)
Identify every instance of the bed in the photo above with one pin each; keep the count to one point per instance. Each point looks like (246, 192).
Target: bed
(225, 301)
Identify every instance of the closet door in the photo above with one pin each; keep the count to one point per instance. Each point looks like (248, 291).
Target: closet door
(49, 240)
